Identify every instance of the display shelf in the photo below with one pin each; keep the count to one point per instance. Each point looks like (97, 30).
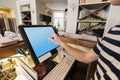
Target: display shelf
(26, 14)
(92, 15)
(91, 21)
(26, 20)
(25, 10)
(93, 11)
(94, 5)
(30, 10)
(25, 7)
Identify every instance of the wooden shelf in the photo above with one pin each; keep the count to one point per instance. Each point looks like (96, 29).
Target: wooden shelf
(94, 5)
(26, 14)
(91, 21)
(25, 10)
(93, 13)
(90, 16)
(26, 20)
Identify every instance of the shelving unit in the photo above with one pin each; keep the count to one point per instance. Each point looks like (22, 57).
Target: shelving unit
(92, 16)
(29, 11)
(12, 24)
(2, 26)
(7, 24)
(26, 14)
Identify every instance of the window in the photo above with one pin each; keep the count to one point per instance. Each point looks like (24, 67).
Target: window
(58, 19)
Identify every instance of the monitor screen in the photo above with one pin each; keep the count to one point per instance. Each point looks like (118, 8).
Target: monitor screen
(37, 38)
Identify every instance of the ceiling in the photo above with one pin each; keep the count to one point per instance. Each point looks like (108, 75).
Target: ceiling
(56, 4)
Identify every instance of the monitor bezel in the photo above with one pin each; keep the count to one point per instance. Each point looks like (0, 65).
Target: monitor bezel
(27, 42)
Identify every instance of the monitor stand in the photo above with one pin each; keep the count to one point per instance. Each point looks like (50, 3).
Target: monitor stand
(49, 62)
(46, 63)
(54, 53)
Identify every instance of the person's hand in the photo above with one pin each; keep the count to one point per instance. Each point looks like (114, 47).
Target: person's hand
(56, 39)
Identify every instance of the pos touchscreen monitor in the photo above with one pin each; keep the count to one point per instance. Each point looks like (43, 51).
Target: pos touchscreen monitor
(36, 37)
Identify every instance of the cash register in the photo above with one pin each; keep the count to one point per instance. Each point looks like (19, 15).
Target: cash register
(36, 37)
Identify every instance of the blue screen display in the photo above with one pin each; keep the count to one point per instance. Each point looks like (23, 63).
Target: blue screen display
(39, 39)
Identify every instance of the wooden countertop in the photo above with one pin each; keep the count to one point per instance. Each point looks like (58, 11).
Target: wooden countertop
(11, 49)
(84, 43)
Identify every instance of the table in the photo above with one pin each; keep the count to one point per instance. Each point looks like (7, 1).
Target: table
(10, 50)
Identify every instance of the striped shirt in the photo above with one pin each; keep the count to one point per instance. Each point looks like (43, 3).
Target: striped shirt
(108, 49)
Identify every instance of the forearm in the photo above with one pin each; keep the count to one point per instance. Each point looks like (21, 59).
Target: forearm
(81, 56)
(77, 54)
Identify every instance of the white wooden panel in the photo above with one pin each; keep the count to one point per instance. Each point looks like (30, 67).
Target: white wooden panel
(113, 18)
(72, 16)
